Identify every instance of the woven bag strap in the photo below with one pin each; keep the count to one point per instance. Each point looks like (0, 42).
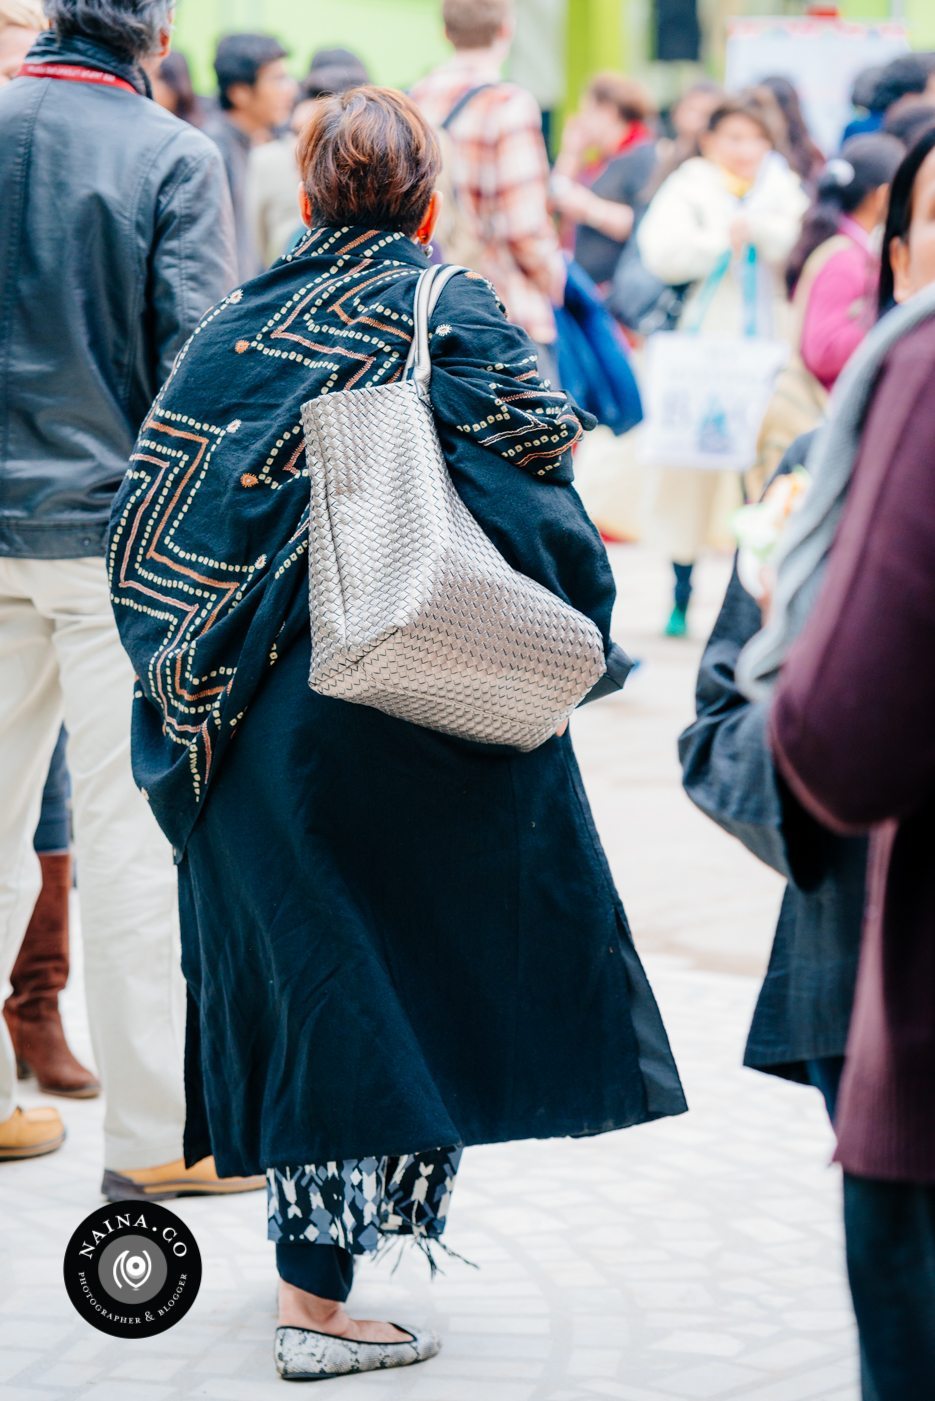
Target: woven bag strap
(429, 288)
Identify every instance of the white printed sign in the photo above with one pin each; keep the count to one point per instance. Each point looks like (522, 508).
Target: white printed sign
(822, 57)
(706, 399)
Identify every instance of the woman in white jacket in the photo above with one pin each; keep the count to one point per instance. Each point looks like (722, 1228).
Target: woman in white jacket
(737, 194)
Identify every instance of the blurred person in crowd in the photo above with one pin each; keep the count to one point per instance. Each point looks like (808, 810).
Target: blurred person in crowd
(331, 71)
(256, 94)
(737, 195)
(904, 76)
(500, 175)
(604, 166)
(803, 1011)
(133, 188)
(349, 999)
(762, 103)
(688, 119)
(835, 266)
(40, 972)
(909, 118)
(610, 474)
(800, 150)
(21, 22)
(174, 90)
(864, 99)
(846, 658)
(833, 279)
(274, 168)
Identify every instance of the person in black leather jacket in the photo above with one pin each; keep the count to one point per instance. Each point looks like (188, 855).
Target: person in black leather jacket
(115, 238)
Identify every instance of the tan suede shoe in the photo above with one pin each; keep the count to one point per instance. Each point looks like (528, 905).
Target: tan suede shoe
(28, 1133)
(174, 1179)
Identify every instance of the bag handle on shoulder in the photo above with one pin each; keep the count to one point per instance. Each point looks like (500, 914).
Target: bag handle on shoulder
(429, 288)
(464, 101)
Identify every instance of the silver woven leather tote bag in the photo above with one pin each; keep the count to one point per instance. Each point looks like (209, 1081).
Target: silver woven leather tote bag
(413, 609)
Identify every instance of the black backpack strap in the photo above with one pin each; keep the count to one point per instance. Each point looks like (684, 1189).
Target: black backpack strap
(462, 102)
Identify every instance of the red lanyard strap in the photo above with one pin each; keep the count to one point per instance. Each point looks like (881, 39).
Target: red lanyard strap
(71, 73)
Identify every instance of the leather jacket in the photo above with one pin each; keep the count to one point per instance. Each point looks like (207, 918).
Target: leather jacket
(116, 235)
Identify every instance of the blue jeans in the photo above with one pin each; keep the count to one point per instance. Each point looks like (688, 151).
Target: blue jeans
(890, 1229)
(54, 831)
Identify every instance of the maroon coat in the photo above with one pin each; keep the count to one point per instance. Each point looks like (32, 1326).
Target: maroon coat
(853, 730)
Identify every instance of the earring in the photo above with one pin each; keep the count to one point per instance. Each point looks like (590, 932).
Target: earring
(429, 249)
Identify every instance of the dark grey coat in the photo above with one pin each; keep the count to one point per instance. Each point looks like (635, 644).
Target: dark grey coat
(804, 1009)
(115, 237)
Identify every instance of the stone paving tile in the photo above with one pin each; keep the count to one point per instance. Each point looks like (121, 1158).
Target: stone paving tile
(697, 1259)
(601, 1298)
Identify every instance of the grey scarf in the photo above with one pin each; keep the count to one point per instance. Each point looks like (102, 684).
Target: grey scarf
(807, 541)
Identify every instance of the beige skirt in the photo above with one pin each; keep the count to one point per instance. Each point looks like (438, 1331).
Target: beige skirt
(689, 512)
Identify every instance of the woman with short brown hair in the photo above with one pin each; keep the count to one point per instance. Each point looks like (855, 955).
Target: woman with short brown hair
(397, 942)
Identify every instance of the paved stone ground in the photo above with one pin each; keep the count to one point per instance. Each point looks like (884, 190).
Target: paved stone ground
(692, 1260)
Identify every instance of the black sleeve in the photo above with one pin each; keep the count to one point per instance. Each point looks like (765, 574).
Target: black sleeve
(507, 438)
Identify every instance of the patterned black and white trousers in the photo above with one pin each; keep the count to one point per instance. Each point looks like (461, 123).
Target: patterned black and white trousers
(324, 1214)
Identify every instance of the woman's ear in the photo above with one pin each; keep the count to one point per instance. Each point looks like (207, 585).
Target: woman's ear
(305, 206)
(899, 262)
(426, 229)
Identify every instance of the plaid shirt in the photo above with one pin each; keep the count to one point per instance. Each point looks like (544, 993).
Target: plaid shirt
(502, 180)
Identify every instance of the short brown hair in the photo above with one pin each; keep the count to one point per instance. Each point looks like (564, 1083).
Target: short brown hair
(368, 156)
(475, 24)
(632, 101)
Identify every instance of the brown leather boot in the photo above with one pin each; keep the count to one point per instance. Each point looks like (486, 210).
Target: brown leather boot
(39, 975)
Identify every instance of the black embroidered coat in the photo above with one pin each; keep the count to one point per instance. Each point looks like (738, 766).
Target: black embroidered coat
(393, 940)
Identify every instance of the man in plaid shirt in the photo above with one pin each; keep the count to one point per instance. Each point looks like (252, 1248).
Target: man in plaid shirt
(501, 169)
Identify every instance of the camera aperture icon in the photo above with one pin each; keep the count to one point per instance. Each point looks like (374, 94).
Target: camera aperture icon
(133, 1269)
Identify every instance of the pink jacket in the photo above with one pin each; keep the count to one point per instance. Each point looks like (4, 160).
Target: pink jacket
(840, 308)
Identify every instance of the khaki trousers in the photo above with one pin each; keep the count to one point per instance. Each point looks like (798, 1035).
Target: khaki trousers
(61, 659)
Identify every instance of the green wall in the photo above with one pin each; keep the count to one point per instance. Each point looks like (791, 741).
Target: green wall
(595, 41)
(921, 17)
(398, 39)
(918, 14)
(401, 39)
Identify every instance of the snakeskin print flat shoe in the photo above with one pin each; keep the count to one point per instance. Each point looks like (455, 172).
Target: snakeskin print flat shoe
(302, 1355)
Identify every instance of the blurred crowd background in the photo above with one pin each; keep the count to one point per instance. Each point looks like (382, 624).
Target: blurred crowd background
(559, 43)
(625, 93)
